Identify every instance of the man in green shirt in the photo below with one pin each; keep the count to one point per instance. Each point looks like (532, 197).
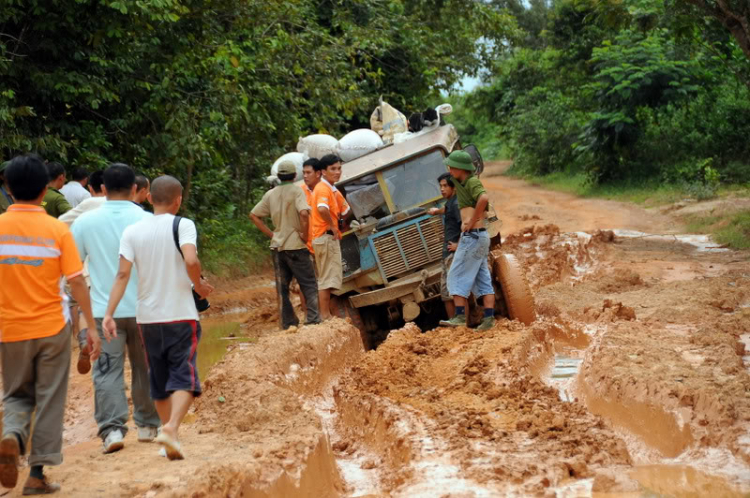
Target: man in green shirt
(5, 198)
(54, 202)
(470, 272)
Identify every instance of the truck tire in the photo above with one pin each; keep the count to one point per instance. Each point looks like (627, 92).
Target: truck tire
(518, 298)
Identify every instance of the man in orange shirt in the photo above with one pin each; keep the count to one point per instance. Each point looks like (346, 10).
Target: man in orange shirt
(36, 252)
(311, 178)
(327, 209)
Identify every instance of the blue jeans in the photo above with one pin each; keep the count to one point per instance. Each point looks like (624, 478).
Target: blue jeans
(470, 272)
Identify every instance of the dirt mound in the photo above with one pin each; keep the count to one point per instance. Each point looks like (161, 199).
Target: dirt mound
(550, 256)
(497, 421)
(620, 280)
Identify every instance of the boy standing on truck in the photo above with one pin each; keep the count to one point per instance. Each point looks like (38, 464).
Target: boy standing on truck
(327, 209)
(470, 272)
(451, 234)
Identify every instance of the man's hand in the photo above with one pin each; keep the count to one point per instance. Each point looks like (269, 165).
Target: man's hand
(94, 343)
(452, 246)
(303, 236)
(433, 211)
(465, 227)
(204, 288)
(337, 234)
(108, 326)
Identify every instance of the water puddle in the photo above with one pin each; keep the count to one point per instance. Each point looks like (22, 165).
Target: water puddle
(563, 375)
(682, 481)
(745, 340)
(216, 335)
(702, 243)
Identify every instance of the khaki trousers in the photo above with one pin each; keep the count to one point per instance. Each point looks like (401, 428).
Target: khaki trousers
(35, 384)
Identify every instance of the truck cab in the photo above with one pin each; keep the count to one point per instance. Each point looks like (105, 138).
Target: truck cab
(392, 255)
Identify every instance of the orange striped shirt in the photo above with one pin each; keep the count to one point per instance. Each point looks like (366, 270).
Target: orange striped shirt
(36, 251)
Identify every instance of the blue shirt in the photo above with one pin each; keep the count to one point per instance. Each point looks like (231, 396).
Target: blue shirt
(97, 234)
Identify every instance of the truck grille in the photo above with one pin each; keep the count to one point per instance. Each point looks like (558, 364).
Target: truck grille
(411, 247)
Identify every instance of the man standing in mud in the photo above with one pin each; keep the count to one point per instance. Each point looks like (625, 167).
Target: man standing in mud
(328, 207)
(36, 251)
(451, 234)
(166, 312)
(470, 271)
(97, 234)
(287, 206)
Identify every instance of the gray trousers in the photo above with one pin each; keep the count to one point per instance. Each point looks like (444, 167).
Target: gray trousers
(35, 385)
(110, 402)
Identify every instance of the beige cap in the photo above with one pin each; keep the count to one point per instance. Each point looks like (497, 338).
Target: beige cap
(287, 168)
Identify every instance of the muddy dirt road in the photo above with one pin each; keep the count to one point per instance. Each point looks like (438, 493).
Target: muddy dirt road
(632, 382)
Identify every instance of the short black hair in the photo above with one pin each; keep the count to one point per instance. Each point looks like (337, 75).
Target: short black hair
(79, 174)
(119, 178)
(448, 179)
(288, 177)
(311, 162)
(326, 161)
(27, 176)
(96, 180)
(54, 170)
(141, 181)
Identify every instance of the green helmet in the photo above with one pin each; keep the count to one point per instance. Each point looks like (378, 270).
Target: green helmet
(460, 160)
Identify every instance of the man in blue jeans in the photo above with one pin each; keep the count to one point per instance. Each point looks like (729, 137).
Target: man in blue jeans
(97, 235)
(470, 272)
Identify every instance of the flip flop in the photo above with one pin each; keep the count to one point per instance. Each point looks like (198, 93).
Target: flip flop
(9, 451)
(171, 446)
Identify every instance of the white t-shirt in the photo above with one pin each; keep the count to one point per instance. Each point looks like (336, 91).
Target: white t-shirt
(75, 193)
(164, 288)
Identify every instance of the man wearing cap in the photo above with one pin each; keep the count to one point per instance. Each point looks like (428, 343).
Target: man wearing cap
(5, 198)
(54, 202)
(470, 272)
(287, 206)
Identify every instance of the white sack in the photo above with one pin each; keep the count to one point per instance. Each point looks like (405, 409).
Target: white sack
(358, 143)
(296, 157)
(317, 146)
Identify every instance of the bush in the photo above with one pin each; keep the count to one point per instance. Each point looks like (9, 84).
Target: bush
(543, 130)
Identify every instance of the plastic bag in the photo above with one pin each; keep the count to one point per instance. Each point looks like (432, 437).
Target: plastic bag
(317, 146)
(386, 121)
(358, 143)
(297, 158)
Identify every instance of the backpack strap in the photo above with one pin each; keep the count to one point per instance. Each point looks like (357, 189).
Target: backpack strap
(176, 234)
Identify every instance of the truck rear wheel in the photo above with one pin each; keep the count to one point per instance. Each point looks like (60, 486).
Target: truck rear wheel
(518, 298)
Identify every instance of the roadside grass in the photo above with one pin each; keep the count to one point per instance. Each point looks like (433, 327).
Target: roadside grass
(232, 248)
(732, 230)
(648, 193)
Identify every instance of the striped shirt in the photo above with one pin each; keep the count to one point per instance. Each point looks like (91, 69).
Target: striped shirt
(36, 251)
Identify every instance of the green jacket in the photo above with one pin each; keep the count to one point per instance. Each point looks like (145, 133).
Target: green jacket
(55, 203)
(5, 200)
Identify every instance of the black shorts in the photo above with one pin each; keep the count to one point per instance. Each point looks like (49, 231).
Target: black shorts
(171, 351)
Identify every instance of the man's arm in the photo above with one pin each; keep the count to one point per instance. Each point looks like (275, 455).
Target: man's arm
(193, 265)
(115, 296)
(326, 214)
(478, 212)
(62, 205)
(304, 222)
(436, 211)
(261, 226)
(81, 294)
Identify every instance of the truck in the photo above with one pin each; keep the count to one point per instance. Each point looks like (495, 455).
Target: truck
(392, 254)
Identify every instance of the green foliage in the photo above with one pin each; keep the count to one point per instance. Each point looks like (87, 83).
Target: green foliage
(213, 92)
(732, 230)
(633, 92)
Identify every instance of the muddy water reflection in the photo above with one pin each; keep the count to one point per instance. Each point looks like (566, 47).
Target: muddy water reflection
(217, 334)
(563, 372)
(682, 482)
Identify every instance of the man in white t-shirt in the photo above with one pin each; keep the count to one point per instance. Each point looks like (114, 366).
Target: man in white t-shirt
(165, 312)
(75, 190)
